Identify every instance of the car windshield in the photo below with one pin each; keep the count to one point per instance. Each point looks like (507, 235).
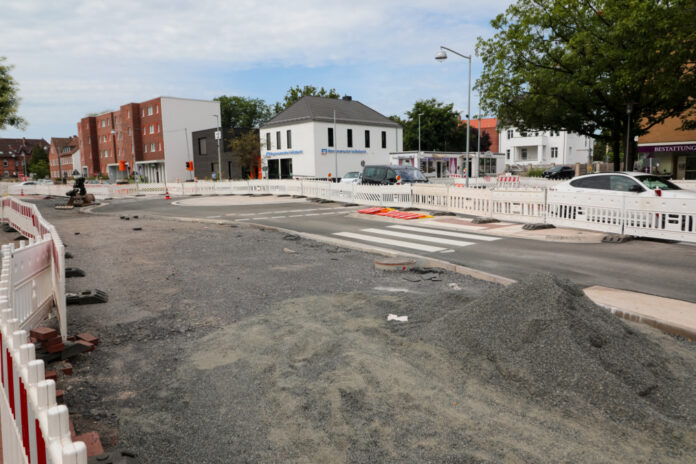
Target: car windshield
(351, 175)
(555, 168)
(653, 182)
(410, 174)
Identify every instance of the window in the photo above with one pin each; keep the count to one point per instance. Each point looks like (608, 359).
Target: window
(4, 163)
(623, 184)
(152, 128)
(143, 112)
(144, 130)
(349, 134)
(523, 153)
(157, 109)
(106, 153)
(507, 152)
(128, 114)
(145, 148)
(268, 140)
(278, 140)
(289, 141)
(152, 146)
(149, 110)
(510, 133)
(331, 137)
(367, 139)
(384, 139)
(554, 152)
(160, 146)
(103, 138)
(103, 122)
(202, 147)
(593, 182)
(130, 131)
(7, 174)
(159, 129)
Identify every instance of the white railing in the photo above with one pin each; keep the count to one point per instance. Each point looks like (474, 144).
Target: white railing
(519, 200)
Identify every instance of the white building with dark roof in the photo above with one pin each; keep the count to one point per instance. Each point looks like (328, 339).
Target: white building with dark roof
(307, 140)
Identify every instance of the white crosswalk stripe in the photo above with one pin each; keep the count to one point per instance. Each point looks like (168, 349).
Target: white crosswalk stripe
(412, 237)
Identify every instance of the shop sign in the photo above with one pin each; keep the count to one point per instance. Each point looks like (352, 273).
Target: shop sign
(283, 153)
(326, 151)
(667, 148)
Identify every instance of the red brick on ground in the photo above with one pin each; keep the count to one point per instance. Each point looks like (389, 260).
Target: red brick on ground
(89, 338)
(93, 443)
(51, 375)
(52, 341)
(43, 333)
(55, 348)
(82, 342)
(67, 369)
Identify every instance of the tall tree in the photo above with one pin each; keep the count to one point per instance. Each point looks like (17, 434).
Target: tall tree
(440, 128)
(248, 146)
(9, 102)
(243, 112)
(39, 162)
(582, 65)
(295, 93)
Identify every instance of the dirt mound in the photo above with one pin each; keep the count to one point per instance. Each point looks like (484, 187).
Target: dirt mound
(543, 337)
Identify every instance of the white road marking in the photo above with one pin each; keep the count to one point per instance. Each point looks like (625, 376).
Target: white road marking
(447, 233)
(243, 219)
(447, 251)
(311, 214)
(386, 241)
(276, 217)
(422, 238)
(212, 217)
(296, 215)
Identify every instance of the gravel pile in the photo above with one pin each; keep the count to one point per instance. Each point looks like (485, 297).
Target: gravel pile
(544, 338)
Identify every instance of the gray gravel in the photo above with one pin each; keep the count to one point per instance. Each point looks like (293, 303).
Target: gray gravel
(219, 347)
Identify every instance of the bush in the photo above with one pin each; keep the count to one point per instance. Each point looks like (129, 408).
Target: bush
(535, 172)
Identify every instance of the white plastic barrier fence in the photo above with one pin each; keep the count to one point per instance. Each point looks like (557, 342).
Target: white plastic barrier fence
(41, 262)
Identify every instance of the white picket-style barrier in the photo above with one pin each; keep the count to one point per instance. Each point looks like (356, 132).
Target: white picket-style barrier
(508, 198)
(35, 430)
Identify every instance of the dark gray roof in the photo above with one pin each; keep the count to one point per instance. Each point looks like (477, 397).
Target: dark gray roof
(321, 109)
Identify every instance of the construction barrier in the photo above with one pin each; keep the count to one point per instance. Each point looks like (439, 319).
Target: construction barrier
(508, 198)
(35, 429)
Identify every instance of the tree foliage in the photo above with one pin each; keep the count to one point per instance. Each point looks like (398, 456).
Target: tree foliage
(248, 147)
(243, 112)
(9, 102)
(577, 65)
(295, 93)
(440, 128)
(39, 162)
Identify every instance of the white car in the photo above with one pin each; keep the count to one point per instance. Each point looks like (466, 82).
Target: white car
(45, 181)
(28, 182)
(625, 183)
(352, 177)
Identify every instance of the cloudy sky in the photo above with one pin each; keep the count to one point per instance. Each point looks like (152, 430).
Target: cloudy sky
(73, 57)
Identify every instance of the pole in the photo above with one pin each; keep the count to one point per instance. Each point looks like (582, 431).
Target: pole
(627, 154)
(468, 124)
(218, 147)
(419, 142)
(335, 144)
(478, 150)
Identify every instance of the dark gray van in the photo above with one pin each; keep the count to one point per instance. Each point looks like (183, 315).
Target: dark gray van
(390, 175)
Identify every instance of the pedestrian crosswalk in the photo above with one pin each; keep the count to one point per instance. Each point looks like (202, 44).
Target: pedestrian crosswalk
(426, 239)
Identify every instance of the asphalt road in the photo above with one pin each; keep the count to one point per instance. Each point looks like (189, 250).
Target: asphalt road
(648, 266)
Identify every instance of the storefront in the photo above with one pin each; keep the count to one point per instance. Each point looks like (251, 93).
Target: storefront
(676, 160)
(441, 164)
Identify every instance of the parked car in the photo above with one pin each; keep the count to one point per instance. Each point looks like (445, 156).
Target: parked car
(352, 177)
(625, 183)
(45, 181)
(390, 175)
(28, 182)
(121, 181)
(559, 172)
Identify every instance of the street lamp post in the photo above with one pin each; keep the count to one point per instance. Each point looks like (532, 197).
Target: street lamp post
(419, 142)
(218, 136)
(627, 154)
(441, 56)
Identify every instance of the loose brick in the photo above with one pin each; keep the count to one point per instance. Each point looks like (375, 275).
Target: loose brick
(59, 394)
(89, 345)
(89, 338)
(92, 442)
(52, 341)
(43, 333)
(68, 369)
(57, 348)
(51, 375)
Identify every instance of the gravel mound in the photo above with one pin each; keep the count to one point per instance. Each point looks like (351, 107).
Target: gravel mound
(543, 337)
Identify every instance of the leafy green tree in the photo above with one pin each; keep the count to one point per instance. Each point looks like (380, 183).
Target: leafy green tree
(248, 147)
(579, 65)
(9, 102)
(39, 162)
(440, 128)
(243, 112)
(295, 93)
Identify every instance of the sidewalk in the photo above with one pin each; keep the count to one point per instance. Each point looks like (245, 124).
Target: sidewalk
(674, 316)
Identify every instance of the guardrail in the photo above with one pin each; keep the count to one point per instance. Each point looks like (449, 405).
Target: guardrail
(35, 429)
(520, 200)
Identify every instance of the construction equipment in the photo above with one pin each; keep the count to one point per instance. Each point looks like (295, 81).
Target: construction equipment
(78, 196)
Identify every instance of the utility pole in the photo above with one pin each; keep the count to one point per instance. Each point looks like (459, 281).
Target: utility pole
(335, 143)
(218, 136)
(419, 142)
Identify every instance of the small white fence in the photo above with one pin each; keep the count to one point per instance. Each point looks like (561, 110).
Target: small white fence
(34, 428)
(514, 199)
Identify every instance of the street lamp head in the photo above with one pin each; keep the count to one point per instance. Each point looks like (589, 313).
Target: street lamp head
(441, 55)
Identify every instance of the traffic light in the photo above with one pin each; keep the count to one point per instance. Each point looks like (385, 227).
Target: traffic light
(189, 165)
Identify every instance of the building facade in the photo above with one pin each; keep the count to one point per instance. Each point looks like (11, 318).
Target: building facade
(304, 141)
(544, 148)
(667, 150)
(61, 157)
(489, 126)
(150, 139)
(205, 156)
(15, 155)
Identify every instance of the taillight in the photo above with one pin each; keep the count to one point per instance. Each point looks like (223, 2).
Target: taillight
(658, 192)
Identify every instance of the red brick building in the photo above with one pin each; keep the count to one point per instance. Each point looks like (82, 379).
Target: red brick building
(133, 138)
(488, 126)
(668, 150)
(15, 155)
(60, 156)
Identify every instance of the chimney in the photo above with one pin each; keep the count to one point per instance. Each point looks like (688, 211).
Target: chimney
(347, 98)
